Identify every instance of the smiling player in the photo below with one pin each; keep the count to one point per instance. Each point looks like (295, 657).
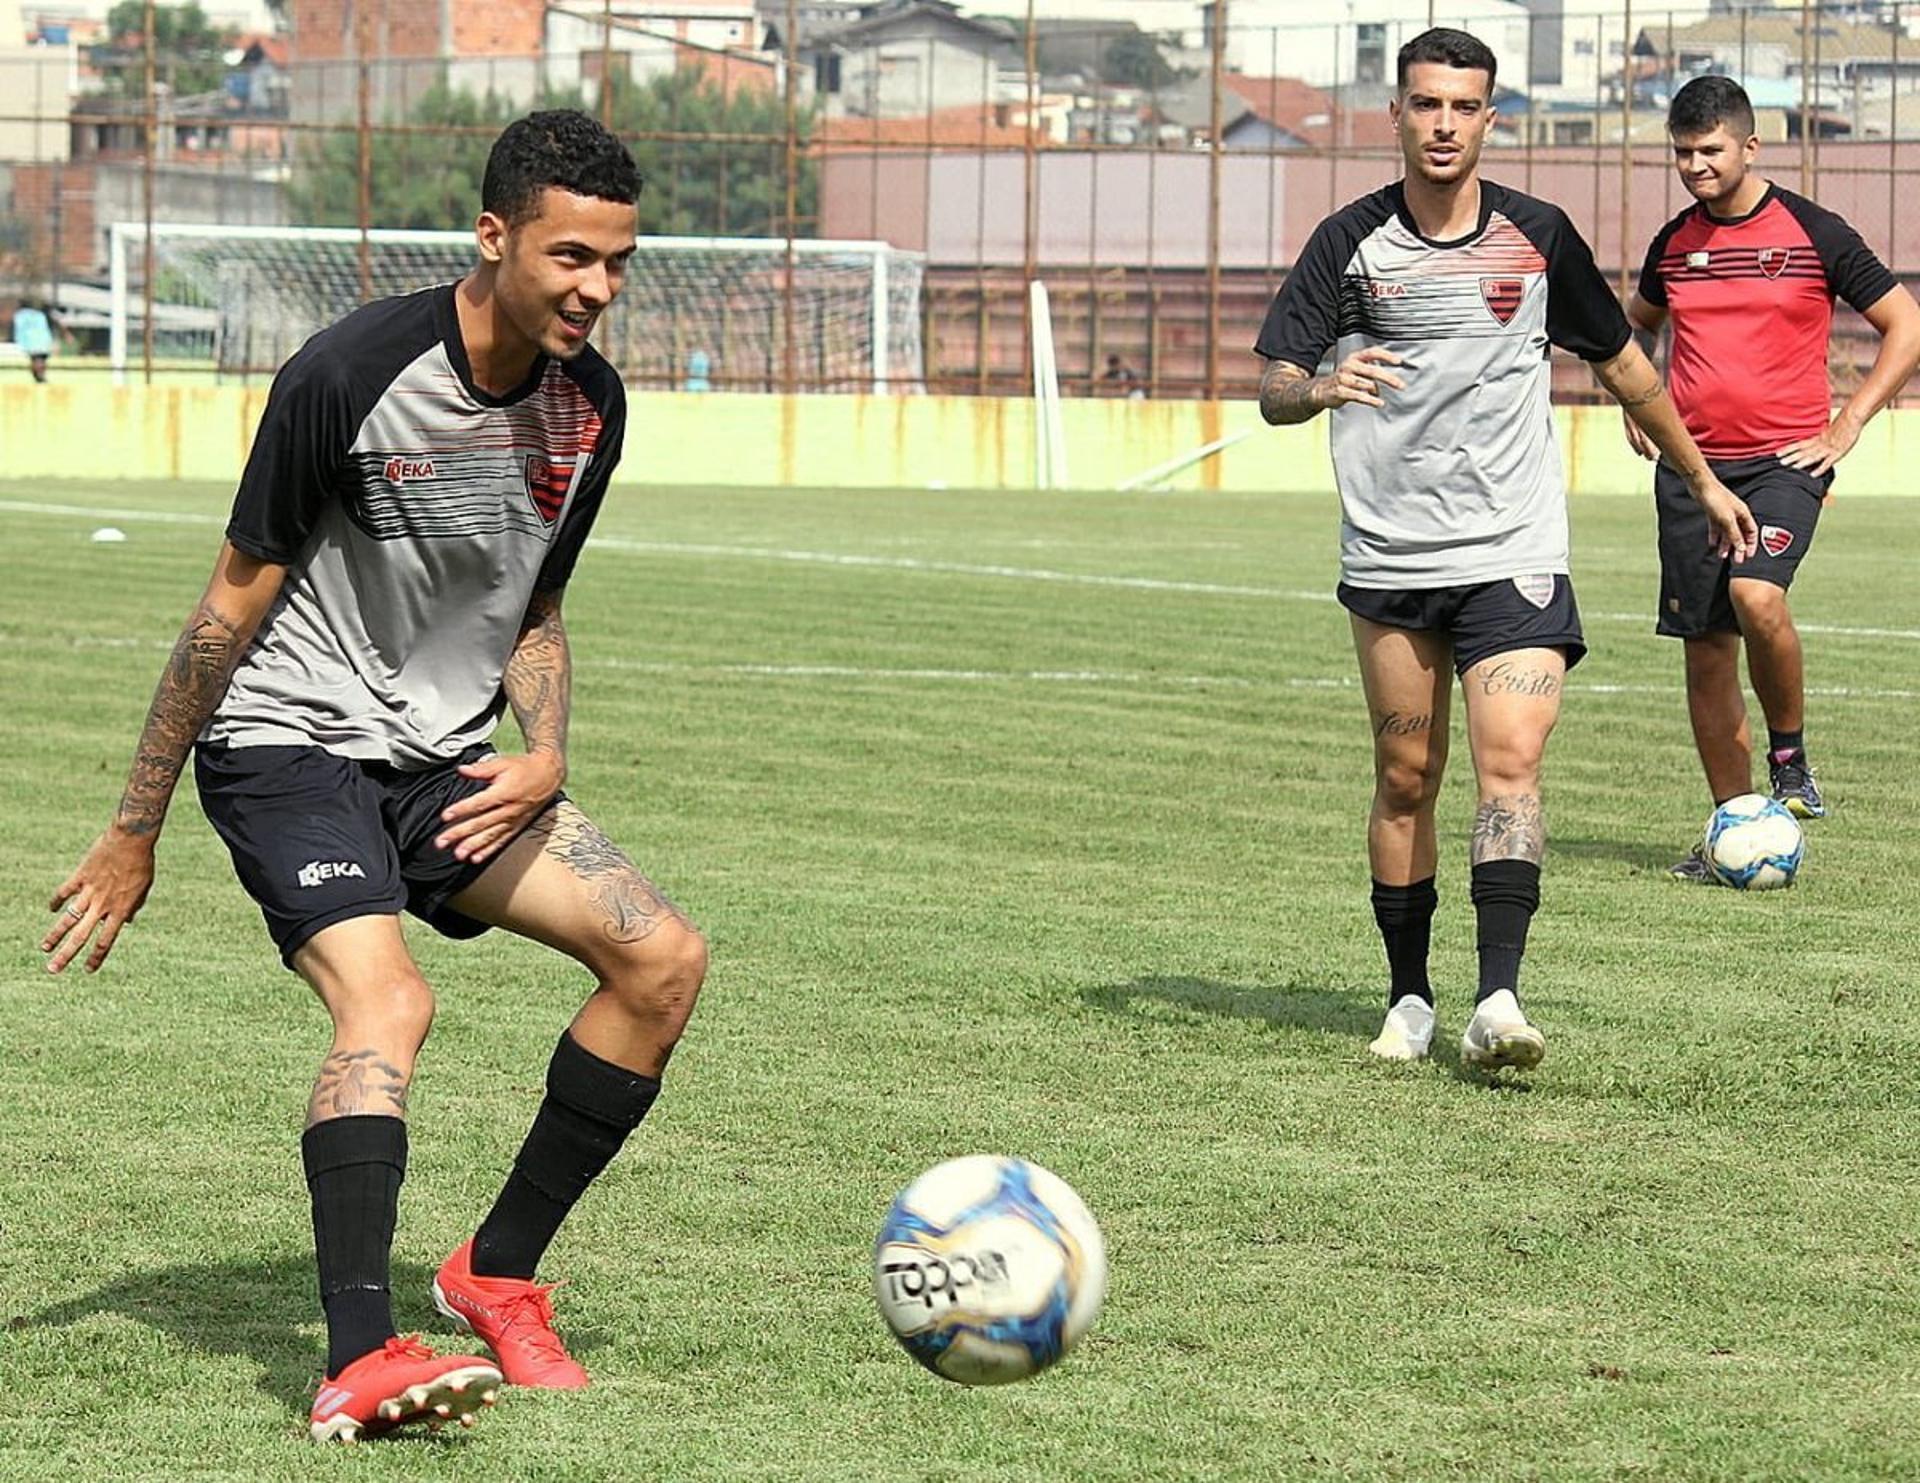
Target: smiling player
(1748, 276)
(422, 482)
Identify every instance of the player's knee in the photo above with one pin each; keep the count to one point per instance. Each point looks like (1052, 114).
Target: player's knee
(1408, 787)
(1760, 606)
(1510, 766)
(658, 977)
(396, 1006)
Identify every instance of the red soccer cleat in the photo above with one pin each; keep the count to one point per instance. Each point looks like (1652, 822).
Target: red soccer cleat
(514, 1317)
(401, 1382)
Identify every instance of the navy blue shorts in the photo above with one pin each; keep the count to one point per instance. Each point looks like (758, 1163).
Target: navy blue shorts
(1483, 618)
(318, 838)
(1694, 599)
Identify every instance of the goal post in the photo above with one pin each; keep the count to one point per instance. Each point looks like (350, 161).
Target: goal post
(697, 313)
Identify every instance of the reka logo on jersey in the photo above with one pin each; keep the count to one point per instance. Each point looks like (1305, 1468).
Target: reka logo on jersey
(1776, 539)
(547, 483)
(1503, 297)
(399, 470)
(1773, 260)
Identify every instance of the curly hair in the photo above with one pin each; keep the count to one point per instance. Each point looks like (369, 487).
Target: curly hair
(558, 147)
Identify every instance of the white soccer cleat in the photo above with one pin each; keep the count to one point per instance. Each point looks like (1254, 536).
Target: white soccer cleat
(1407, 1032)
(1500, 1035)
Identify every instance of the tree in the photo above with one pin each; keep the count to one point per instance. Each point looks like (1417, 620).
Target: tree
(189, 51)
(1134, 60)
(692, 187)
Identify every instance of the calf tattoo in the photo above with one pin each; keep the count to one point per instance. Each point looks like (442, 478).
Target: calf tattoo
(632, 906)
(357, 1083)
(1510, 827)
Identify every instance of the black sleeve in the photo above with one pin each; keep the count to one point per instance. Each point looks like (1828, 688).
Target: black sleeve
(298, 454)
(1583, 316)
(1854, 272)
(1652, 287)
(605, 458)
(1304, 319)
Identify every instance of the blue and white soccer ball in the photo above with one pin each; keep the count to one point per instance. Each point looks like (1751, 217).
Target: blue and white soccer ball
(989, 1269)
(1754, 844)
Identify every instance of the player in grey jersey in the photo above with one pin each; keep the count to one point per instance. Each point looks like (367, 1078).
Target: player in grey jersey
(422, 481)
(1439, 296)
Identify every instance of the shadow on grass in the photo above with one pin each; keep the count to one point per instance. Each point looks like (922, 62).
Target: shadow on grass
(1298, 1006)
(1653, 858)
(255, 1309)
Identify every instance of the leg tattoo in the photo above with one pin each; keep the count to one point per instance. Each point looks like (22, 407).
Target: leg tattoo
(632, 906)
(357, 1083)
(1510, 827)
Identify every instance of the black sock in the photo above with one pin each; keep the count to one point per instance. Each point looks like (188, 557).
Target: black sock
(1506, 893)
(591, 1106)
(1783, 745)
(1405, 917)
(354, 1168)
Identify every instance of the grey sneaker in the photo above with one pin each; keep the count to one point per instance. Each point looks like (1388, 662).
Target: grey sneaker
(1500, 1035)
(1793, 785)
(1696, 869)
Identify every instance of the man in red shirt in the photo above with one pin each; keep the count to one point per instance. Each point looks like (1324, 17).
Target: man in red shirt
(1748, 276)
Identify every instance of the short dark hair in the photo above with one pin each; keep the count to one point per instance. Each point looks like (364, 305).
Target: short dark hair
(1708, 102)
(1452, 48)
(558, 147)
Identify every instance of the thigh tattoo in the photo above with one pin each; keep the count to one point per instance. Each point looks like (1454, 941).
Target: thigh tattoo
(630, 904)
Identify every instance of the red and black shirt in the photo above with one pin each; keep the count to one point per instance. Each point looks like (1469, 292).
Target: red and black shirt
(1752, 304)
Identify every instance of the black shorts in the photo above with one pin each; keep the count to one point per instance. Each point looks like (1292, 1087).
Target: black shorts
(318, 839)
(1483, 619)
(1693, 581)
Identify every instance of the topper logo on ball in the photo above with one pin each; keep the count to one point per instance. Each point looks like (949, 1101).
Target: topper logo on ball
(934, 1279)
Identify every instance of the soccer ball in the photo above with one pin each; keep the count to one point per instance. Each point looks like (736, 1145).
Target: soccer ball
(988, 1269)
(1754, 844)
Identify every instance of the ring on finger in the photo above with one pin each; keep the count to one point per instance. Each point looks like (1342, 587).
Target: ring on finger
(75, 912)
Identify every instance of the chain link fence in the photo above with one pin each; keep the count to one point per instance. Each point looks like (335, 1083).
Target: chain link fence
(1158, 171)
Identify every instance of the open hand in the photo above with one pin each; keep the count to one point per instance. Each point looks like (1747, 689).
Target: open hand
(107, 888)
(518, 788)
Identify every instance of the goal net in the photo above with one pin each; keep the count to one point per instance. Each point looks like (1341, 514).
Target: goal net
(695, 313)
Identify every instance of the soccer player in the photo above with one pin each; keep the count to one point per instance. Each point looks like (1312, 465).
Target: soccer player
(1748, 278)
(421, 484)
(1439, 295)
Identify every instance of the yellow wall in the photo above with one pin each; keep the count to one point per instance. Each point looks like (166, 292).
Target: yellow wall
(85, 429)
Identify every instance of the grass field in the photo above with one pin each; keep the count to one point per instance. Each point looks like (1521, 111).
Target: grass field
(1029, 824)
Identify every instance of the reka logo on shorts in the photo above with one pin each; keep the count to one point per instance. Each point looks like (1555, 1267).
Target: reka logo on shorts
(1773, 260)
(1775, 539)
(319, 872)
(1536, 589)
(399, 470)
(1503, 297)
(547, 483)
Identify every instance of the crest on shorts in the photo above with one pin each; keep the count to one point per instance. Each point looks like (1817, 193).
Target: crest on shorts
(1775, 539)
(1502, 297)
(1773, 260)
(1536, 589)
(547, 484)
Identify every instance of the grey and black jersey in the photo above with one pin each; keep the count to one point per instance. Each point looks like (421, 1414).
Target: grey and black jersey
(416, 516)
(1457, 479)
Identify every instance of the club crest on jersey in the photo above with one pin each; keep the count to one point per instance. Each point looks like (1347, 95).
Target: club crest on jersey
(1536, 588)
(400, 470)
(1775, 539)
(1773, 260)
(547, 483)
(1502, 297)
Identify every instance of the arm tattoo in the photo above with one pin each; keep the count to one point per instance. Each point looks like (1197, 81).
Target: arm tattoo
(357, 1083)
(539, 677)
(1652, 393)
(195, 678)
(631, 906)
(1286, 393)
(1510, 827)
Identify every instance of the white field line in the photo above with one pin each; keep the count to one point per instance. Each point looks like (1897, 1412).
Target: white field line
(916, 564)
(1092, 678)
